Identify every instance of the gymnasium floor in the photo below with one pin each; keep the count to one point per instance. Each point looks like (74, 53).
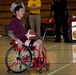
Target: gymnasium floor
(61, 56)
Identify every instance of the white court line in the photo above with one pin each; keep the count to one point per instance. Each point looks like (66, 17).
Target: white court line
(53, 46)
(58, 69)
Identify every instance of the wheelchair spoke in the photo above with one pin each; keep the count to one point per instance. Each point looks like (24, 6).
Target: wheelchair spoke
(18, 61)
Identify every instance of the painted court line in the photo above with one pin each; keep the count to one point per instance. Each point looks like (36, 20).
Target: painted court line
(58, 69)
(53, 46)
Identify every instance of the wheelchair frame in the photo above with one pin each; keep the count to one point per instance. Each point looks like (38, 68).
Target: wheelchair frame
(19, 60)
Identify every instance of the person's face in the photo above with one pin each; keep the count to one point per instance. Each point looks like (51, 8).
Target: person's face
(20, 13)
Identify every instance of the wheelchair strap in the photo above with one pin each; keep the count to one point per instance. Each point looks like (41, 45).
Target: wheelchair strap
(32, 42)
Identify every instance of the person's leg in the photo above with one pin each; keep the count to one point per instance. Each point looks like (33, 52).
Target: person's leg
(38, 25)
(65, 34)
(32, 23)
(65, 29)
(38, 45)
(58, 34)
(27, 42)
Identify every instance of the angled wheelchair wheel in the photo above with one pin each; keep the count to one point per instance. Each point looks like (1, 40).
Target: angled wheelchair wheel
(18, 61)
(43, 55)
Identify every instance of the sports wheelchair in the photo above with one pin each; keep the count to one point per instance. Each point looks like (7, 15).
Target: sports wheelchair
(19, 60)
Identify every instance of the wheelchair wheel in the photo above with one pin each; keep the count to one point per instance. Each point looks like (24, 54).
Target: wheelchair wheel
(18, 61)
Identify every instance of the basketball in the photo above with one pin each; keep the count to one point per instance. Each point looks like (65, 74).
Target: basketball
(30, 34)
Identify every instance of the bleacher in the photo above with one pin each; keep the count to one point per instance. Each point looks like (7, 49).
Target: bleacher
(6, 15)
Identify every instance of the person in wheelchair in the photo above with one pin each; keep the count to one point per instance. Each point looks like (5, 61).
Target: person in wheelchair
(17, 31)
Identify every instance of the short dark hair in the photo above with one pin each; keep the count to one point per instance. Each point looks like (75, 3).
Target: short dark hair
(17, 8)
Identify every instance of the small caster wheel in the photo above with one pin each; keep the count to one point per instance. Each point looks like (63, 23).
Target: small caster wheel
(40, 71)
(8, 71)
(47, 68)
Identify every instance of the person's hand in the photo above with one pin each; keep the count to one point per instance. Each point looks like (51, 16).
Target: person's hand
(19, 43)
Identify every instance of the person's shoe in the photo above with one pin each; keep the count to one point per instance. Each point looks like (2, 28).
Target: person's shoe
(68, 41)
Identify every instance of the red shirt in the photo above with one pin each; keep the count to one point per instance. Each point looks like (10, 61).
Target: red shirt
(18, 28)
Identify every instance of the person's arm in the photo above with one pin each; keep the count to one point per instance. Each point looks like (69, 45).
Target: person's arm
(11, 34)
(19, 42)
(34, 7)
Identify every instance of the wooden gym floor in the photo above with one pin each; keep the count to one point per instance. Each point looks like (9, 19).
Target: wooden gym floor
(61, 56)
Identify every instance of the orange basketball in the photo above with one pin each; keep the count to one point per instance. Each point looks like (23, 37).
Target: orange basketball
(30, 34)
